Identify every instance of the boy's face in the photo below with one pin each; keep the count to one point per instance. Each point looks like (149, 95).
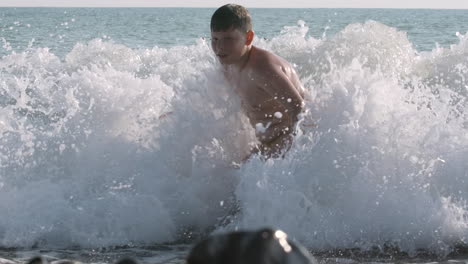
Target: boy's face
(229, 46)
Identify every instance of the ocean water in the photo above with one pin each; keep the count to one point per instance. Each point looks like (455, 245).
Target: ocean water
(118, 135)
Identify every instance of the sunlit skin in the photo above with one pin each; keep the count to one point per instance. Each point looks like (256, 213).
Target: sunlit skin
(269, 89)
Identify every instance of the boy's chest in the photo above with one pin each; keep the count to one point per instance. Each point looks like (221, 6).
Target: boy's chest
(250, 93)
(256, 101)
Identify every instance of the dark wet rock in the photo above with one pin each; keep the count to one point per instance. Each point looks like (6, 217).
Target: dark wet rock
(266, 246)
(38, 260)
(127, 261)
(42, 260)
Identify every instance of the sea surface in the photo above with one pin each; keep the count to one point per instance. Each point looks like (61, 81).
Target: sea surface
(119, 135)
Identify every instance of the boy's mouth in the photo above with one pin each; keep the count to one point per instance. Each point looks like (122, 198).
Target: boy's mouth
(221, 56)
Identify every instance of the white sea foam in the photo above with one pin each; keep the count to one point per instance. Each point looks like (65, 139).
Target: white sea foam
(113, 145)
(386, 161)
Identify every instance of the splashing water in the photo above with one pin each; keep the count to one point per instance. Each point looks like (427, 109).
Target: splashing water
(112, 145)
(386, 163)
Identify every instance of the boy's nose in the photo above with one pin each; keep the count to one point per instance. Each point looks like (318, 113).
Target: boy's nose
(219, 45)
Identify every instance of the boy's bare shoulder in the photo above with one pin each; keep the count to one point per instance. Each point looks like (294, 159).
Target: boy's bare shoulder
(263, 58)
(265, 64)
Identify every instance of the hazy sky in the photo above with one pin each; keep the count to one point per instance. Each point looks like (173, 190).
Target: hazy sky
(455, 4)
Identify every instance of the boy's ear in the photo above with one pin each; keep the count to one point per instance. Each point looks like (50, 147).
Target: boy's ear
(250, 37)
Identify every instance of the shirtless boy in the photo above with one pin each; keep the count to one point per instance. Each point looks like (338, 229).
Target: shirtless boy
(270, 91)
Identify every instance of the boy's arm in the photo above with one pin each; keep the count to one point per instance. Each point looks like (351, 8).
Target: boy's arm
(273, 80)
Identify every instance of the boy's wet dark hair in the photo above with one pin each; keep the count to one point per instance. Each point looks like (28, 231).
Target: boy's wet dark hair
(231, 16)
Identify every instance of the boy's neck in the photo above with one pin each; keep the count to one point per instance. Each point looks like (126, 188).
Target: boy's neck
(244, 59)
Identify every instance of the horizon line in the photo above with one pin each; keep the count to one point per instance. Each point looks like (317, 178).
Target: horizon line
(254, 7)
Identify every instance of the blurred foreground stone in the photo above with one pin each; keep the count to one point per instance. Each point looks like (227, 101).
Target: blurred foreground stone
(266, 246)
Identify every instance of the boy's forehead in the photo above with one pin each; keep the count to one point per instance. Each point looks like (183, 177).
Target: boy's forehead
(231, 31)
